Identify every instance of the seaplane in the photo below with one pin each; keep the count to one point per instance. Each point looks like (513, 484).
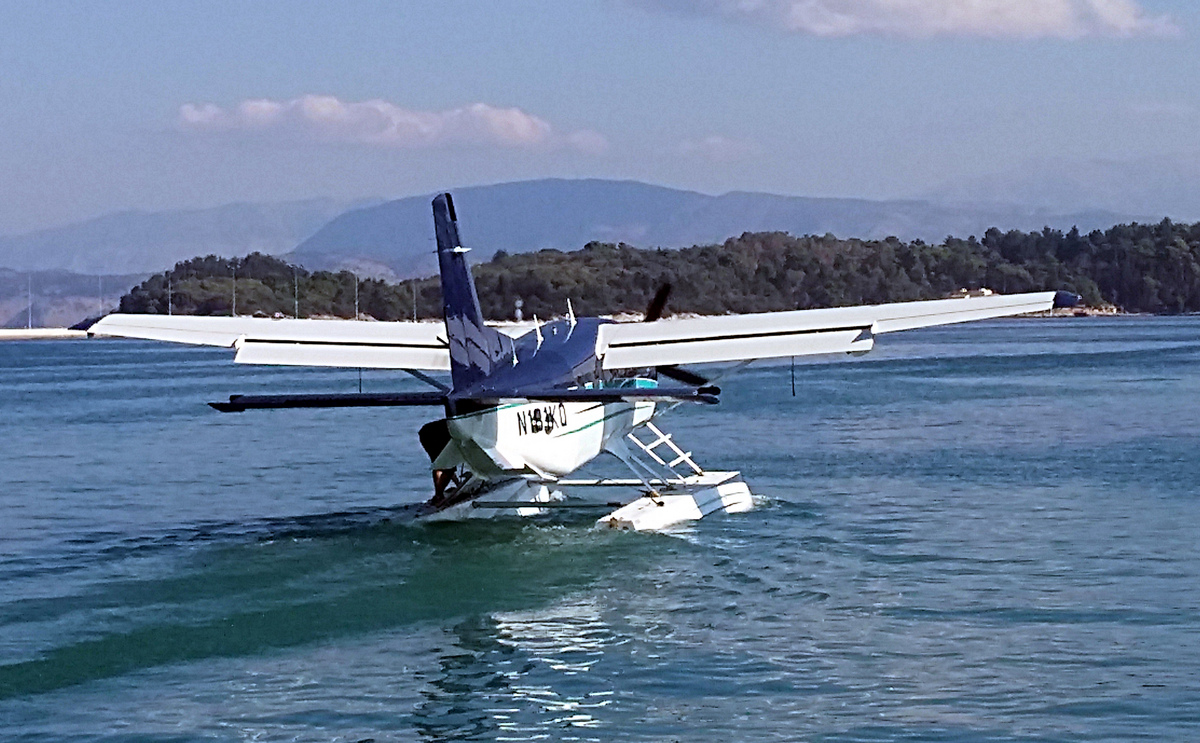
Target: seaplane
(528, 406)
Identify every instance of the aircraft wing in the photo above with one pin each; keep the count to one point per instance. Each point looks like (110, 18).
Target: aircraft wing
(767, 335)
(289, 342)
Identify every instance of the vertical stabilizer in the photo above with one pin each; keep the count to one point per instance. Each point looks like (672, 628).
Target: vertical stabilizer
(474, 347)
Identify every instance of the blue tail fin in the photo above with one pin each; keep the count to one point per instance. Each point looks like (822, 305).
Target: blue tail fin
(474, 347)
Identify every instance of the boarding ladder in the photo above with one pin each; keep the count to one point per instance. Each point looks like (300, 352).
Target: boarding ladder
(677, 456)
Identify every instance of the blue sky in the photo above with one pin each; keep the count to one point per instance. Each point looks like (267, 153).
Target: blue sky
(1062, 103)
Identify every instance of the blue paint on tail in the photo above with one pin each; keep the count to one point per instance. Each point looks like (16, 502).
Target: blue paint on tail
(474, 347)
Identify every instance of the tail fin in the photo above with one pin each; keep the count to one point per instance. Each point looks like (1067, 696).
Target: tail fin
(474, 347)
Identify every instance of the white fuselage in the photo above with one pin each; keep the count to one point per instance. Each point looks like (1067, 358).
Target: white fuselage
(552, 439)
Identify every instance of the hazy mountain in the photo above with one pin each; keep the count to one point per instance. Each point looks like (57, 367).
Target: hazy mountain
(145, 242)
(567, 214)
(1152, 186)
(396, 238)
(58, 298)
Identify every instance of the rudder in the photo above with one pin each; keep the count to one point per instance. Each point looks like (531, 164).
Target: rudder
(474, 347)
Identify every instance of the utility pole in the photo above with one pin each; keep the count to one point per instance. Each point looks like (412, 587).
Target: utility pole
(296, 291)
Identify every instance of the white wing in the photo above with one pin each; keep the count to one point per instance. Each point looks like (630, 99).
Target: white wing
(800, 333)
(350, 343)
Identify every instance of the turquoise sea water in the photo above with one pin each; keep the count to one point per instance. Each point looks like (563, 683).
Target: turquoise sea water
(980, 533)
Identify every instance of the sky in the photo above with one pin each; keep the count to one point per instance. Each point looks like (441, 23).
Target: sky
(111, 106)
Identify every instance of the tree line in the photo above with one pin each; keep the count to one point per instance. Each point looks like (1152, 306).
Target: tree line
(1136, 267)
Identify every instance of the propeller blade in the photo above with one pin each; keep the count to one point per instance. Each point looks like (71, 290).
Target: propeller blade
(679, 374)
(654, 310)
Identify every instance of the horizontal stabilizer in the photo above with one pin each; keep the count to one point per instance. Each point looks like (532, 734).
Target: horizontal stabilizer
(238, 403)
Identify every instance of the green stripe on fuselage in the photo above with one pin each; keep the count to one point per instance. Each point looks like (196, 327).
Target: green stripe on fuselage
(496, 409)
(627, 407)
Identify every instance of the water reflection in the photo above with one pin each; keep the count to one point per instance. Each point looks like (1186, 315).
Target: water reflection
(522, 675)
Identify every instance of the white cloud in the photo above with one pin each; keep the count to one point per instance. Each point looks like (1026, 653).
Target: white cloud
(719, 149)
(1024, 19)
(380, 123)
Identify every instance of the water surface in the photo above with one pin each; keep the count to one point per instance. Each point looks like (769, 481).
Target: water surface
(980, 533)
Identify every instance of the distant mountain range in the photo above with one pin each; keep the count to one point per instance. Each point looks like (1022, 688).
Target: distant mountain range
(58, 298)
(146, 242)
(566, 214)
(395, 238)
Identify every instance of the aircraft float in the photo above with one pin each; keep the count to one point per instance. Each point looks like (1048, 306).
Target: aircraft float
(528, 406)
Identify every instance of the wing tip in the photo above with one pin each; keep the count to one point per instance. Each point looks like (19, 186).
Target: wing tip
(1065, 299)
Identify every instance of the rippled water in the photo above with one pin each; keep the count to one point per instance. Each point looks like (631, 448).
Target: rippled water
(984, 533)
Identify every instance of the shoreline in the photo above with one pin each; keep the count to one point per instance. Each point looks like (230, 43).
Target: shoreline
(40, 334)
(1083, 311)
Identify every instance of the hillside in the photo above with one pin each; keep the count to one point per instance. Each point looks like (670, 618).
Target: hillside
(1142, 268)
(565, 214)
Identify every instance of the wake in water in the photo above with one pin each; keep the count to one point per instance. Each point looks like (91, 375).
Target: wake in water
(228, 590)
